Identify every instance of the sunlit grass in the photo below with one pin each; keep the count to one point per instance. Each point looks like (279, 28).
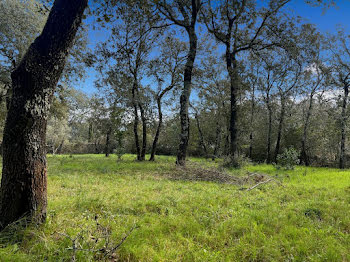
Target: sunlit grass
(306, 219)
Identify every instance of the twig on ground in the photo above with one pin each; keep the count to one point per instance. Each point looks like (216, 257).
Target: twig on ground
(266, 176)
(122, 241)
(260, 183)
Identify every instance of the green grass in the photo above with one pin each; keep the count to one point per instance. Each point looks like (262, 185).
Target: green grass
(96, 198)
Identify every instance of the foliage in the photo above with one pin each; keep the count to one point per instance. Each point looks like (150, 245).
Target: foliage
(239, 161)
(288, 159)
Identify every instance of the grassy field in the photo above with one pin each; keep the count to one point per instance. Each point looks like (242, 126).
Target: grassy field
(97, 203)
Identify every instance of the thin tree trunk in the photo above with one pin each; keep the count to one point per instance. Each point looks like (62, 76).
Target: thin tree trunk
(217, 140)
(96, 144)
(136, 121)
(23, 184)
(107, 147)
(185, 97)
(60, 147)
(304, 158)
(144, 132)
(90, 133)
(269, 132)
(156, 137)
(201, 136)
(280, 127)
(160, 117)
(343, 128)
(251, 124)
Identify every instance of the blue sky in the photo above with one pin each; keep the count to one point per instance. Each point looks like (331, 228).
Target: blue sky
(325, 20)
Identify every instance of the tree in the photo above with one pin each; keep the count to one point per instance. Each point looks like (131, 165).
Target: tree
(313, 79)
(251, 80)
(213, 93)
(289, 76)
(23, 184)
(340, 77)
(128, 49)
(189, 11)
(166, 70)
(234, 24)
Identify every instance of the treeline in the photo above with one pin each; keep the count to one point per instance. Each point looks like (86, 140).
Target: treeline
(234, 79)
(248, 84)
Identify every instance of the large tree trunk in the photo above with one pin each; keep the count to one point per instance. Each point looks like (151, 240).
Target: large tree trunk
(269, 132)
(304, 158)
(136, 121)
(279, 131)
(23, 184)
(343, 128)
(156, 137)
(144, 132)
(185, 97)
(231, 64)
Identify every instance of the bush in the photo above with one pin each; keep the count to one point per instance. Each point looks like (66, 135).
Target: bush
(288, 159)
(236, 162)
(120, 151)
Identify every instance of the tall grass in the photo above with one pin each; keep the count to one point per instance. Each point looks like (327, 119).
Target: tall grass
(94, 202)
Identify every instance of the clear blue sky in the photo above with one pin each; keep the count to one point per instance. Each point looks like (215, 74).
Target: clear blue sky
(325, 20)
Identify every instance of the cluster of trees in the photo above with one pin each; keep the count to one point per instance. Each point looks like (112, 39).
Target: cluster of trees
(252, 80)
(222, 78)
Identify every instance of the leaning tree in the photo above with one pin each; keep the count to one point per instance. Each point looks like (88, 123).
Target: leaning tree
(24, 185)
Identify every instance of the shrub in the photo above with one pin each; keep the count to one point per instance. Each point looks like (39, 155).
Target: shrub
(288, 159)
(236, 162)
(120, 151)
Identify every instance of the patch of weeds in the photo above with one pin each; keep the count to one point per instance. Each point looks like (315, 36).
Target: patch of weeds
(313, 213)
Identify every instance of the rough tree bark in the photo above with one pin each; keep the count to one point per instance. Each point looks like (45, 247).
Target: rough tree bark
(188, 19)
(343, 127)
(185, 97)
(231, 64)
(23, 185)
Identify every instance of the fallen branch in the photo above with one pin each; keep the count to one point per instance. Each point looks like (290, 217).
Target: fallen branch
(106, 250)
(122, 241)
(260, 183)
(266, 176)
